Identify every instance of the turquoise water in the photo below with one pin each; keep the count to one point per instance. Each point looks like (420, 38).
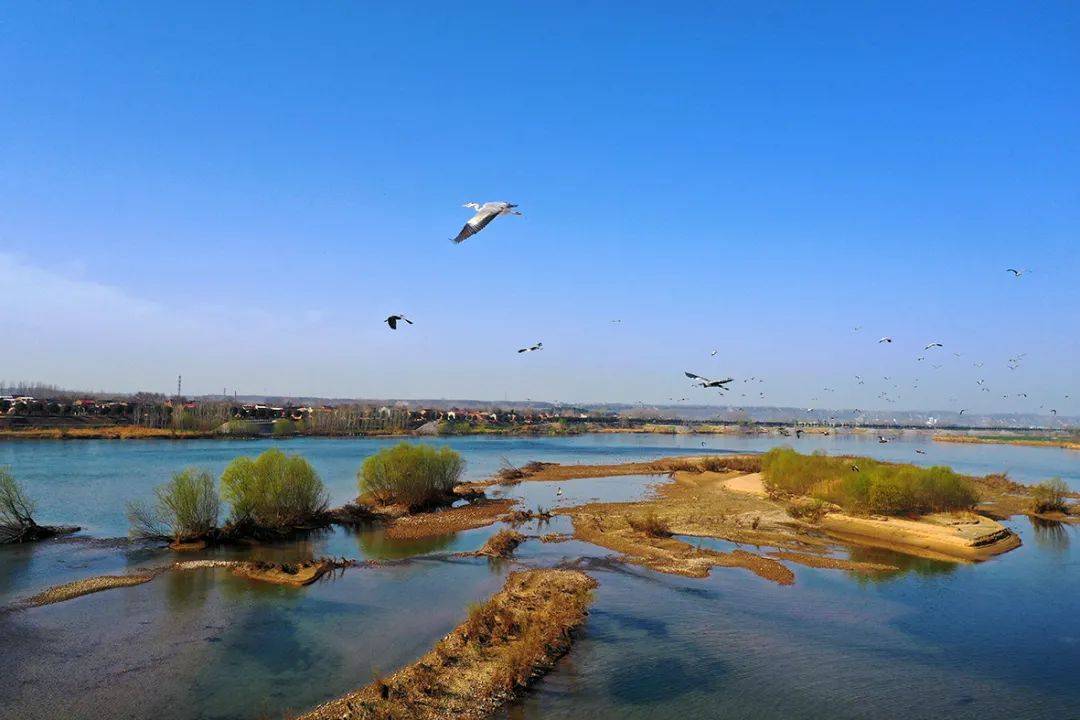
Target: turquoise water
(996, 640)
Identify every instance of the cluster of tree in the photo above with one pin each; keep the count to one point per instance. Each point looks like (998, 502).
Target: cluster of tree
(268, 495)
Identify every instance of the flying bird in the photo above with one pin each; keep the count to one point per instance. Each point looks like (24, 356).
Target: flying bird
(532, 348)
(933, 345)
(881, 439)
(963, 411)
(484, 215)
(713, 353)
(392, 321)
(885, 339)
(1016, 273)
(707, 383)
(921, 452)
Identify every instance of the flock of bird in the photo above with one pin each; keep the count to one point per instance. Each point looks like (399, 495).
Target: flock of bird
(488, 211)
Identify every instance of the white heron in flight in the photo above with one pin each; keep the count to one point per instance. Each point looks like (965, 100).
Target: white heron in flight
(484, 214)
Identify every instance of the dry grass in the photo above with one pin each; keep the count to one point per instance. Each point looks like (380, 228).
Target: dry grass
(649, 524)
(500, 647)
(669, 555)
(502, 544)
(441, 522)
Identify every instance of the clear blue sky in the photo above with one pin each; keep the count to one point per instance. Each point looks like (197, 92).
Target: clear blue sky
(242, 192)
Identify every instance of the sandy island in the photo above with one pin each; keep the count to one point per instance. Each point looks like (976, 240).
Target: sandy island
(724, 498)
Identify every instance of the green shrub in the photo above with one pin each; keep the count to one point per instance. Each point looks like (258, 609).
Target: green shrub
(185, 508)
(417, 476)
(274, 491)
(876, 487)
(1049, 496)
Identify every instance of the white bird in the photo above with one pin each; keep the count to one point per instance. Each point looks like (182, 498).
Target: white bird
(933, 345)
(484, 214)
(713, 353)
(881, 439)
(558, 491)
(885, 339)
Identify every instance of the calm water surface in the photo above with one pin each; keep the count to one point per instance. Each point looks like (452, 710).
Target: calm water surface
(995, 640)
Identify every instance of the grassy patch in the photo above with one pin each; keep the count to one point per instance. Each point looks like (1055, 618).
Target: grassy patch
(864, 485)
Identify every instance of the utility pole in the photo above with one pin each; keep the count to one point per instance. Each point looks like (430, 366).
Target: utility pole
(179, 384)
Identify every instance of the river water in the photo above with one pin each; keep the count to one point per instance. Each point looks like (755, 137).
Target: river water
(999, 639)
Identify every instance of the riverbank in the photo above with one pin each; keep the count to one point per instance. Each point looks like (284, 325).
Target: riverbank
(502, 646)
(1067, 443)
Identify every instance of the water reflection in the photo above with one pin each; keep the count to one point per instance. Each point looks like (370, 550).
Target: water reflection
(186, 589)
(920, 566)
(1050, 535)
(373, 543)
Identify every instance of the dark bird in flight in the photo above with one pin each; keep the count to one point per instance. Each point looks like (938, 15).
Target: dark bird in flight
(933, 345)
(392, 321)
(885, 339)
(484, 215)
(1053, 412)
(921, 452)
(881, 439)
(1016, 273)
(963, 411)
(532, 348)
(707, 383)
(798, 433)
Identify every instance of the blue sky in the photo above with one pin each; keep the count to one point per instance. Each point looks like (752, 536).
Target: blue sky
(243, 193)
